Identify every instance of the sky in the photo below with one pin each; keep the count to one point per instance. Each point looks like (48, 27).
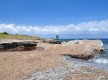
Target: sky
(46, 18)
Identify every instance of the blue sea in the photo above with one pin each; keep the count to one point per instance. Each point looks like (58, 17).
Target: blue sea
(100, 61)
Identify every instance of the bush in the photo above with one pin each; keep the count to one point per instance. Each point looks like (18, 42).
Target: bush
(4, 33)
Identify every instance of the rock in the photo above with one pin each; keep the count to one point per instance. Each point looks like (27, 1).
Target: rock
(47, 40)
(70, 43)
(29, 44)
(8, 45)
(18, 43)
(99, 43)
(86, 49)
(81, 49)
(55, 42)
(1, 47)
(17, 46)
(52, 41)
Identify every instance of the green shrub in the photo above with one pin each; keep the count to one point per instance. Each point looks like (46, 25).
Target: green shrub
(4, 33)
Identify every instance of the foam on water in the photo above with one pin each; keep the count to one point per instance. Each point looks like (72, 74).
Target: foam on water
(101, 60)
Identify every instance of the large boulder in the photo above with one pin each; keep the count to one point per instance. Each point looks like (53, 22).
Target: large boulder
(84, 49)
(81, 49)
(92, 42)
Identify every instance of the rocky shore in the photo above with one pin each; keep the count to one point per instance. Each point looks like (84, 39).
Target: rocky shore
(70, 70)
(48, 62)
(81, 49)
(17, 45)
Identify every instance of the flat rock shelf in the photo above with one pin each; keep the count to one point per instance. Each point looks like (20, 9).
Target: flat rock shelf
(17, 46)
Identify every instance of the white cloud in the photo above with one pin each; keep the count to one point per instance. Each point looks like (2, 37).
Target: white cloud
(91, 27)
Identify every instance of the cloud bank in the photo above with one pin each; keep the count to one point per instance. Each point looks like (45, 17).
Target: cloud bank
(84, 29)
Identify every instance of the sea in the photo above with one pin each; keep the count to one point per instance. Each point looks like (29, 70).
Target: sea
(99, 61)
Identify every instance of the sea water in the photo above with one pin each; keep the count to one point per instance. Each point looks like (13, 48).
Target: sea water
(101, 61)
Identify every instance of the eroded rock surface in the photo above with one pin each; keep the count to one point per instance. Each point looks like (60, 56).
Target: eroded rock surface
(17, 45)
(82, 49)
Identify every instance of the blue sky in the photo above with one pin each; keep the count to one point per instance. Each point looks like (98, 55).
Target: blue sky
(50, 15)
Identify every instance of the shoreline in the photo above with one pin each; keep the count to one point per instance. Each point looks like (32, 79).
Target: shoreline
(47, 62)
(70, 70)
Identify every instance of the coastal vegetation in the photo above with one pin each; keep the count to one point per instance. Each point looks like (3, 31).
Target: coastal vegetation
(5, 35)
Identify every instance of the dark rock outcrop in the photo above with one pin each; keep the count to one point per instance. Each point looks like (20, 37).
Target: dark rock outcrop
(17, 46)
